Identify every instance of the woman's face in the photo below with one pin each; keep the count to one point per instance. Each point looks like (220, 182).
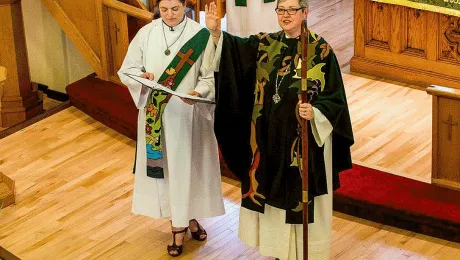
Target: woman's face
(291, 23)
(172, 11)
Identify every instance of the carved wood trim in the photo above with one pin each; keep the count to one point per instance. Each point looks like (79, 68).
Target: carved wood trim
(399, 73)
(418, 55)
(452, 35)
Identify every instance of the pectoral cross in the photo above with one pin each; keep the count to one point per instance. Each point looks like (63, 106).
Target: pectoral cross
(450, 124)
(117, 29)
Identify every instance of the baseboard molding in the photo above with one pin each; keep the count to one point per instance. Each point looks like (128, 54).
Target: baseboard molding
(402, 74)
(22, 125)
(52, 94)
(56, 95)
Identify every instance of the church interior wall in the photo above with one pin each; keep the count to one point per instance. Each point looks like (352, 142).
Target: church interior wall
(54, 61)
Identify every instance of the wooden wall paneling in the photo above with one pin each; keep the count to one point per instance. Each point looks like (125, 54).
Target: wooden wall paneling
(103, 38)
(446, 136)
(434, 141)
(449, 39)
(449, 141)
(359, 28)
(379, 28)
(421, 78)
(432, 42)
(398, 35)
(83, 15)
(444, 69)
(405, 44)
(3, 73)
(118, 38)
(416, 31)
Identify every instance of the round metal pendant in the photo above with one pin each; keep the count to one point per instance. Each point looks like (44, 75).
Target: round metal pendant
(167, 52)
(276, 98)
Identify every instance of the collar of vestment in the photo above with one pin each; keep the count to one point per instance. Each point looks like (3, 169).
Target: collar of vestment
(177, 27)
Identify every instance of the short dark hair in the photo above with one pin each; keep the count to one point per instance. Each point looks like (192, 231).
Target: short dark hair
(302, 3)
(182, 1)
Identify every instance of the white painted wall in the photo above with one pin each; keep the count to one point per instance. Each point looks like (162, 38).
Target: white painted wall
(53, 59)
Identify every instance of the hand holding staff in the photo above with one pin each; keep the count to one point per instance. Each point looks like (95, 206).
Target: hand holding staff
(304, 38)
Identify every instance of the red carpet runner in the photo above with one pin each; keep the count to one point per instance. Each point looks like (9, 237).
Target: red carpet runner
(399, 202)
(365, 193)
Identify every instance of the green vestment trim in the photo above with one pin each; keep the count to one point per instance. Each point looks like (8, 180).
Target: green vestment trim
(156, 103)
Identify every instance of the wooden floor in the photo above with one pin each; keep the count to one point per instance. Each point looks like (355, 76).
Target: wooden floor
(74, 191)
(74, 186)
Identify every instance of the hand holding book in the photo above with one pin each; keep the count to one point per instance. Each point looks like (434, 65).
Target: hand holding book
(156, 86)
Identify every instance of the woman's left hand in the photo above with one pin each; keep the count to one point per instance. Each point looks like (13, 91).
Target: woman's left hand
(305, 111)
(189, 101)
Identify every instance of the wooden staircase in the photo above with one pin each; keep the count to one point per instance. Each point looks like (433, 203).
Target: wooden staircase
(7, 191)
(101, 30)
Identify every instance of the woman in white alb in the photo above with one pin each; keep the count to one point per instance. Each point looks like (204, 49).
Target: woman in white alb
(177, 173)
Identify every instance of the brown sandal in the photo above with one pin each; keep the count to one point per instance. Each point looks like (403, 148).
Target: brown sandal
(200, 232)
(175, 247)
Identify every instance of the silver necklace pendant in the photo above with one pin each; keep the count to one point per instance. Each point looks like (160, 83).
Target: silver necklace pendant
(276, 98)
(167, 52)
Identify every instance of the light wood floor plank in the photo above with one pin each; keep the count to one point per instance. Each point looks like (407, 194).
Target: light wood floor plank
(74, 181)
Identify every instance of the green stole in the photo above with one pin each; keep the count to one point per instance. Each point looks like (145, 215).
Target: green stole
(245, 2)
(156, 103)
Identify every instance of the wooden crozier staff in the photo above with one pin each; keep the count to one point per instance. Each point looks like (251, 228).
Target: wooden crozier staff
(304, 41)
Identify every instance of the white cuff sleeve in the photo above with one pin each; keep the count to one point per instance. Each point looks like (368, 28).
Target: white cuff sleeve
(320, 126)
(217, 56)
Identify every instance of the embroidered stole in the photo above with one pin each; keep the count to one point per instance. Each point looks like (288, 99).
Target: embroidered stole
(156, 104)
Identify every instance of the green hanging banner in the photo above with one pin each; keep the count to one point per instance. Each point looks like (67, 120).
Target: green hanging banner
(241, 3)
(245, 2)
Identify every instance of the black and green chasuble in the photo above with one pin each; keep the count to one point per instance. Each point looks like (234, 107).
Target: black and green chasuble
(259, 134)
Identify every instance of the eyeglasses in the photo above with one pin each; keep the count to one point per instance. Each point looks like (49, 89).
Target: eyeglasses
(290, 11)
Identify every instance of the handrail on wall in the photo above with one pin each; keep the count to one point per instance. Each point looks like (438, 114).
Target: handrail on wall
(128, 9)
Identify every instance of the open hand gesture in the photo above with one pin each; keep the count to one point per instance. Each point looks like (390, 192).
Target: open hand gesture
(212, 20)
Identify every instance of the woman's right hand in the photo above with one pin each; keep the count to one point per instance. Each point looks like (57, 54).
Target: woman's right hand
(147, 75)
(212, 20)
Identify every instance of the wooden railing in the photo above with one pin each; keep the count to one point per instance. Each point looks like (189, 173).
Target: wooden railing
(122, 21)
(102, 29)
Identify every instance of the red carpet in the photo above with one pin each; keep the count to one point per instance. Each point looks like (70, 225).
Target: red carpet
(365, 193)
(107, 102)
(399, 202)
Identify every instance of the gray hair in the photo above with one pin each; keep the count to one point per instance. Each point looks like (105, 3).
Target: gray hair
(302, 3)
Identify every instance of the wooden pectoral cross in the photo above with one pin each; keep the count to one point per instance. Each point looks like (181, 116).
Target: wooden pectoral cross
(185, 58)
(450, 124)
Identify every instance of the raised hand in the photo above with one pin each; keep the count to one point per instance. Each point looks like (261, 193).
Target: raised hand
(212, 20)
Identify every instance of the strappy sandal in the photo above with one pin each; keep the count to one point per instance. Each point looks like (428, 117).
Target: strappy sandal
(200, 232)
(175, 247)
